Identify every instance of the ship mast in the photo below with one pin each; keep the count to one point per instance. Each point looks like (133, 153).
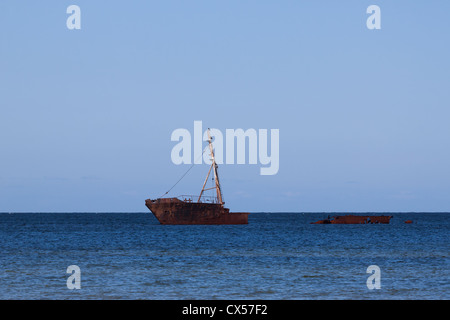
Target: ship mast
(216, 174)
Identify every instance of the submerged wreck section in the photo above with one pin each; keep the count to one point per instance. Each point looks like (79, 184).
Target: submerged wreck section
(355, 219)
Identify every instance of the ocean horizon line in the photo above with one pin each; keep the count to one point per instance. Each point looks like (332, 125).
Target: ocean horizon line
(251, 212)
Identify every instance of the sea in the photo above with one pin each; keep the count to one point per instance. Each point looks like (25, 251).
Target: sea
(277, 256)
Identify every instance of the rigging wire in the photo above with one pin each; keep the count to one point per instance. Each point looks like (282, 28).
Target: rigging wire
(184, 173)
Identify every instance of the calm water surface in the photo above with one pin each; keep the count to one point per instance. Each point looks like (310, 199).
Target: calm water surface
(275, 256)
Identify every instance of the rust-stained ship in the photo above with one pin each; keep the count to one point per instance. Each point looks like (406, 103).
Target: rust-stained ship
(355, 219)
(193, 210)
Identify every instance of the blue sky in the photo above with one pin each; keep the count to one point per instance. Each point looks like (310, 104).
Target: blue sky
(86, 115)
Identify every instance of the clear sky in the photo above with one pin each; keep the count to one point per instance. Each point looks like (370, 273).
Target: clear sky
(86, 115)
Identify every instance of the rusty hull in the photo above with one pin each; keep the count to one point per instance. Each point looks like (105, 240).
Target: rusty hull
(176, 211)
(354, 219)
